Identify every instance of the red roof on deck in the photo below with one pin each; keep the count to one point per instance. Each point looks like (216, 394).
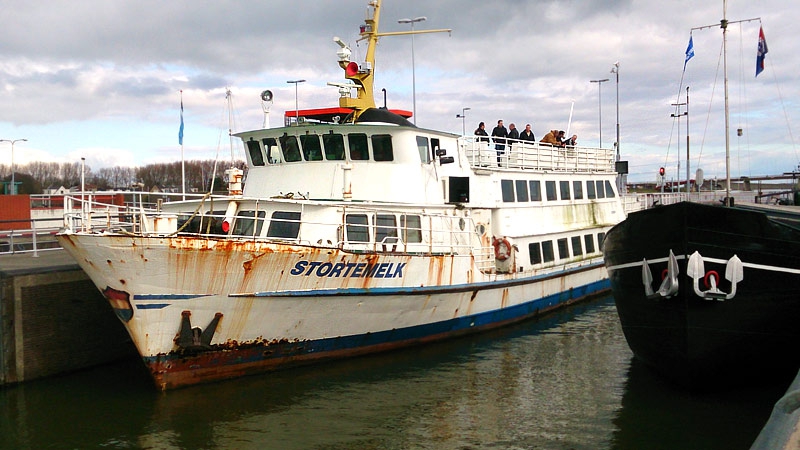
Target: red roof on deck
(327, 114)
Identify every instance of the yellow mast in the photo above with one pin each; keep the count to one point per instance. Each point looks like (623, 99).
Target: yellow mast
(362, 75)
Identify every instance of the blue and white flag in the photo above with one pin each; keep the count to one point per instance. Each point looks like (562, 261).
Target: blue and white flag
(689, 52)
(180, 130)
(762, 51)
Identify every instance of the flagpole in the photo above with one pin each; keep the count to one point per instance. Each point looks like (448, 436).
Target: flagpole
(183, 163)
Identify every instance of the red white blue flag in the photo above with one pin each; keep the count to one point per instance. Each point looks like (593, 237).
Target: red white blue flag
(762, 51)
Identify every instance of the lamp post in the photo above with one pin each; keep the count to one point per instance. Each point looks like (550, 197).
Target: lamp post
(463, 117)
(600, 106)
(678, 116)
(620, 178)
(413, 74)
(13, 180)
(296, 107)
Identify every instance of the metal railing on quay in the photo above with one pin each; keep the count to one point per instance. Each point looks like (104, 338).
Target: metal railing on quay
(35, 236)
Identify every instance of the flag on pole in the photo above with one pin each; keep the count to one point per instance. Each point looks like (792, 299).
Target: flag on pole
(180, 130)
(762, 51)
(689, 53)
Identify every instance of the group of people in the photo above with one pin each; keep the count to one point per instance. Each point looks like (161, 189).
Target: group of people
(500, 135)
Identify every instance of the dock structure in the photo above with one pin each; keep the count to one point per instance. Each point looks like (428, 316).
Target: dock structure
(53, 320)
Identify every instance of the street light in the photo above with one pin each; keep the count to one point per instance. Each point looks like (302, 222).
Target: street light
(463, 117)
(620, 177)
(413, 73)
(13, 184)
(296, 107)
(599, 106)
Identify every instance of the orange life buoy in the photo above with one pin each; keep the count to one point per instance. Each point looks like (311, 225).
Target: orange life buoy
(502, 249)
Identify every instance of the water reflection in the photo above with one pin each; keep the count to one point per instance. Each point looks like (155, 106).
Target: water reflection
(562, 382)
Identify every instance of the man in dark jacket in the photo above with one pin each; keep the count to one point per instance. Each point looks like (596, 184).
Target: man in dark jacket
(499, 135)
(527, 134)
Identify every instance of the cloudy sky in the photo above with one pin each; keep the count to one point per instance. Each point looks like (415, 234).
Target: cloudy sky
(102, 79)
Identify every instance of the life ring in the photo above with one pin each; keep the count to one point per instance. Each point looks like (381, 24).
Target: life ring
(502, 249)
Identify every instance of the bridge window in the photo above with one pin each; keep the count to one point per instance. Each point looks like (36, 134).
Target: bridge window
(284, 224)
(271, 149)
(291, 150)
(334, 146)
(382, 147)
(600, 237)
(312, 151)
(609, 190)
(358, 146)
(254, 149)
(422, 147)
(246, 225)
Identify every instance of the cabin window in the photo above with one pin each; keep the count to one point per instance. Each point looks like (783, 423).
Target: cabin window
(291, 150)
(590, 190)
(254, 149)
(271, 149)
(358, 146)
(284, 224)
(246, 225)
(609, 190)
(382, 147)
(412, 228)
(522, 190)
(535, 250)
(200, 223)
(601, 192)
(334, 146)
(422, 147)
(577, 250)
(563, 186)
(312, 151)
(357, 228)
(385, 229)
(547, 251)
(459, 190)
(563, 248)
(600, 237)
(577, 189)
(588, 241)
(550, 190)
(535, 190)
(507, 187)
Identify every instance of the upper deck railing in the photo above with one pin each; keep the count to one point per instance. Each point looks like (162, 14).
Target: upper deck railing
(519, 154)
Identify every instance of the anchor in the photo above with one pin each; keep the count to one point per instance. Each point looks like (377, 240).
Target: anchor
(669, 286)
(195, 339)
(734, 272)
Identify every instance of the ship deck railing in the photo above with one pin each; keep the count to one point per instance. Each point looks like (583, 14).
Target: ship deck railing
(528, 155)
(438, 233)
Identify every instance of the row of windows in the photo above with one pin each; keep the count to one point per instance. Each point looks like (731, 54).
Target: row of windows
(286, 225)
(544, 252)
(531, 190)
(315, 147)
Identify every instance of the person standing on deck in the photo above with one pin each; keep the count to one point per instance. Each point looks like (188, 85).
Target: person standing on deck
(499, 135)
(527, 134)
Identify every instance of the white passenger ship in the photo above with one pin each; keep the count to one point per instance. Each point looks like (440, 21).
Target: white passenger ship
(352, 237)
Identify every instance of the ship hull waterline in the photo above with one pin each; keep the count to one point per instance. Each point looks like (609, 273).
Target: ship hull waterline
(226, 309)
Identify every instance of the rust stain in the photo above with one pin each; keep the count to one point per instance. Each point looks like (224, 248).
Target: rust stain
(504, 299)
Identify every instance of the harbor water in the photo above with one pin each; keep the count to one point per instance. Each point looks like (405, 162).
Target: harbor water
(564, 381)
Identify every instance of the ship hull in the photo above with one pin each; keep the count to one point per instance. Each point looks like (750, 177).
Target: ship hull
(714, 334)
(201, 310)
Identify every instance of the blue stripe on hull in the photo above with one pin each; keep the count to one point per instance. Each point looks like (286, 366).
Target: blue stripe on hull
(296, 352)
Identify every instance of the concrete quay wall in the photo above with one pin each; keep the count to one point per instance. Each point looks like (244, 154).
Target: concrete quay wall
(53, 319)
